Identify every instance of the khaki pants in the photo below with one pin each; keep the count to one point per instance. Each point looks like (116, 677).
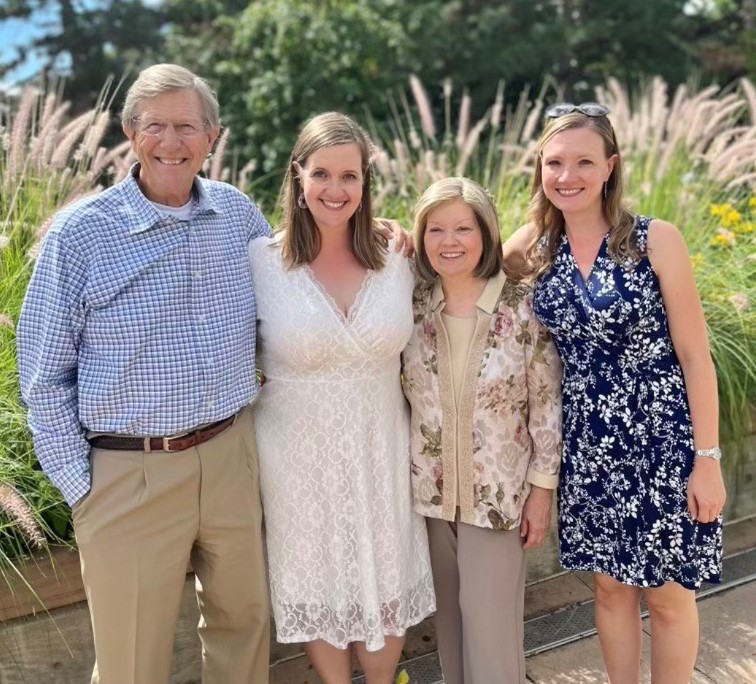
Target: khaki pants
(479, 577)
(146, 516)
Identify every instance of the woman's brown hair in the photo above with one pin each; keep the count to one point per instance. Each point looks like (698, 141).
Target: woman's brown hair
(301, 236)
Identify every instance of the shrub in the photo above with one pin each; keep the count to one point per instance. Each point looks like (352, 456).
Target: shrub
(46, 161)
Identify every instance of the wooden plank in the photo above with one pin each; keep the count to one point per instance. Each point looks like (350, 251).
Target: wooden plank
(54, 577)
(58, 649)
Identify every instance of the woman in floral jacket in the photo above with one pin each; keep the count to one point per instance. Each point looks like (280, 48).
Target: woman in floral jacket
(483, 380)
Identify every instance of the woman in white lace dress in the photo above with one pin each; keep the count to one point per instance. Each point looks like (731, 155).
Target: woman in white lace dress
(348, 557)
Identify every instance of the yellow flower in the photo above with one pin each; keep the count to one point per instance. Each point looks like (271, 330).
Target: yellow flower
(752, 202)
(403, 678)
(719, 209)
(723, 238)
(697, 260)
(731, 218)
(744, 228)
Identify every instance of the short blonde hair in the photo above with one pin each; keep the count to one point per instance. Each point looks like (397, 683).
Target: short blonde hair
(163, 78)
(480, 201)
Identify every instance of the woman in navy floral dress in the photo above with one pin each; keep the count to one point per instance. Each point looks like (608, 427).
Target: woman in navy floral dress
(641, 490)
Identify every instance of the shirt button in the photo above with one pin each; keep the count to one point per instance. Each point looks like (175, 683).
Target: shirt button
(196, 274)
(210, 404)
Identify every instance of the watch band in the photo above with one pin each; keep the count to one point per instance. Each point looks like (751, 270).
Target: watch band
(714, 453)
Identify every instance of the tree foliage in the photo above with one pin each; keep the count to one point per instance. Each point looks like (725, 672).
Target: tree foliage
(291, 59)
(476, 44)
(274, 63)
(724, 32)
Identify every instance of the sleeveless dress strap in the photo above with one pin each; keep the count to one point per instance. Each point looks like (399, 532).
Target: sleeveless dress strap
(641, 231)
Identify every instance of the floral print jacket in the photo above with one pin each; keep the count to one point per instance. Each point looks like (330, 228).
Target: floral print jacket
(510, 413)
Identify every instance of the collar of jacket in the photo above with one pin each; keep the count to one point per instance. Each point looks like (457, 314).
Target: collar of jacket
(487, 301)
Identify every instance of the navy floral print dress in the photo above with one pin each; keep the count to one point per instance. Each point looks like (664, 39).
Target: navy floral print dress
(628, 444)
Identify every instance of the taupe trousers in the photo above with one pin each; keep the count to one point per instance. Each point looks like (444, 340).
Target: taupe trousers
(479, 577)
(145, 517)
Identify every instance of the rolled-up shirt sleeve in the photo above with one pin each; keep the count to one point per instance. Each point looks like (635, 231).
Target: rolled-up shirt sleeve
(48, 334)
(544, 378)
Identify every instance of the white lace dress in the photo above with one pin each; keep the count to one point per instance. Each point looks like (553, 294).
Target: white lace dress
(348, 558)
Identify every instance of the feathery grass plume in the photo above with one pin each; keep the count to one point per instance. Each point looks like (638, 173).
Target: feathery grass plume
(22, 123)
(496, 112)
(99, 161)
(698, 107)
(48, 108)
(733, 159)
(69, 137)
(532, 121)
(749, 90)
(402, 163)
(44, 145)
(423, 106)
(463, 128)
(95, 133)
(498, 107)
(121, 158)
(216, 163)
(411, 135)
(15, 508)
(244, 174)
(382, 163)
(727, 110)
(470, 144)
(447, 89)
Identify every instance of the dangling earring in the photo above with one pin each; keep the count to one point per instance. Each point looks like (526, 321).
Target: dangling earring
(606, 189)
(301, 202)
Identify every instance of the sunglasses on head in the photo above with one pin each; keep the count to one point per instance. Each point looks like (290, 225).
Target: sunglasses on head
(587, 108)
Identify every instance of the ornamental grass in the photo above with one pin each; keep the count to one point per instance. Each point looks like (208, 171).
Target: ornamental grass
(47, 159)
(690, 158)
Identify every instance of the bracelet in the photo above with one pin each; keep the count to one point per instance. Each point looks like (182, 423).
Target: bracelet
(714, 453)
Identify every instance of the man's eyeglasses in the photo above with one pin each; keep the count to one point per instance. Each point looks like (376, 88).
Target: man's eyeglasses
(157, 129)
(588, 108)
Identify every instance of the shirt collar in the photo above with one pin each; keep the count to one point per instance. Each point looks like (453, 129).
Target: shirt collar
(146, 215)
(487, 300)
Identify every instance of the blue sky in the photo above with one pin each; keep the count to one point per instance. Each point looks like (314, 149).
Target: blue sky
(15, 32)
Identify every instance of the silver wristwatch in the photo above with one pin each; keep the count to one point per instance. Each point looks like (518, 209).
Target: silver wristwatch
(714, 453)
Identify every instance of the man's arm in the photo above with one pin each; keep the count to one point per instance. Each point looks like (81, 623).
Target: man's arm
(48, 332)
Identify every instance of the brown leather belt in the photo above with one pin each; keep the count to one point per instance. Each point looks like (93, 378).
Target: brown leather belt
(180, 442)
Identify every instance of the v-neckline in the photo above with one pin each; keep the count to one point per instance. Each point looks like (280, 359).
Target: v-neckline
(354, 307)
(601, 250)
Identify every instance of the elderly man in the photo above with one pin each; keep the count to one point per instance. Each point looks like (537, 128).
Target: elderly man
(137, 360)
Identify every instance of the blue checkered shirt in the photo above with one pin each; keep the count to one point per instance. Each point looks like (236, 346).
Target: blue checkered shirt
(137, 323)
